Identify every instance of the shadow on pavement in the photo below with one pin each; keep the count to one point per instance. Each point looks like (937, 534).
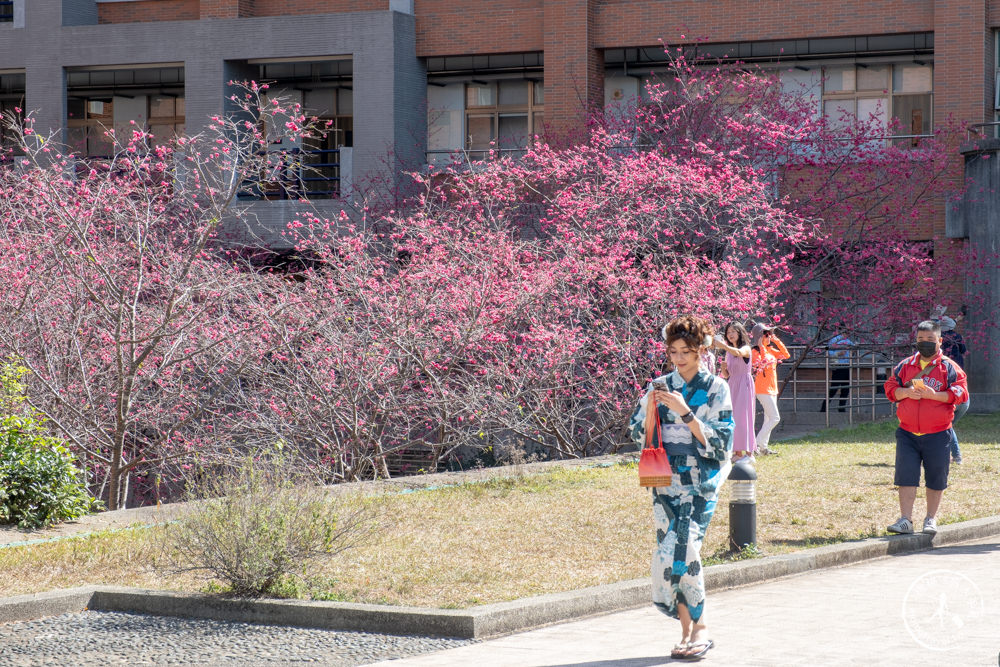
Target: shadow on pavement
(813, 541)
(624, 662)
(961, 549)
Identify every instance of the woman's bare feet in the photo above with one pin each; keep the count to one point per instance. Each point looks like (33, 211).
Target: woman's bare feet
(679, 651)
(698, 643)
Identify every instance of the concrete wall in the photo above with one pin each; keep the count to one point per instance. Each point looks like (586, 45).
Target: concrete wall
(979, 217)
(79, 12)
(389, 80)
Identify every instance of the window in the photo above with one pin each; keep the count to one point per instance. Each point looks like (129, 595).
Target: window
(90, 118)
(6, 11)
(88, 122)
(99, 100)
(11, 108)
(875, 93)
(996, 86)
(166, 118)
(305, 166)
(503, 115)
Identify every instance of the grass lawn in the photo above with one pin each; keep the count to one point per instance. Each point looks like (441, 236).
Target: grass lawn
(555, 531)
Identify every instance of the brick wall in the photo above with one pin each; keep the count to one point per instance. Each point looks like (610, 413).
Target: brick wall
(183, 10)
(290, 7)
(152, 10)
(226, 9)
(963, 82)
(644, 22)
(447, 28)
(574, 69)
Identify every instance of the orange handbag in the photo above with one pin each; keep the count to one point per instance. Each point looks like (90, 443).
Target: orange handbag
(654, 469)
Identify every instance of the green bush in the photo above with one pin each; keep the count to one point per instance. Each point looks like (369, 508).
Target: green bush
(256, 528)
(40, 483)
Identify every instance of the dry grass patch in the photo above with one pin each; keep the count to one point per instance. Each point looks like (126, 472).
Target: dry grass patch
(130, 557)
(559, 530)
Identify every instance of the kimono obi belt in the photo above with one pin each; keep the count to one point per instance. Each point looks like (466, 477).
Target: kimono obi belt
(674, 432)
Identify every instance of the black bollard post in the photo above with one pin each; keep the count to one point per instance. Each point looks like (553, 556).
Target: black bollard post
(743, 505)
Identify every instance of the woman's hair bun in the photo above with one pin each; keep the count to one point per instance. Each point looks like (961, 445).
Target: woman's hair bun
(693, 330)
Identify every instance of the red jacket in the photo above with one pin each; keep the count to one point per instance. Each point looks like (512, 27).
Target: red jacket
(928, 415)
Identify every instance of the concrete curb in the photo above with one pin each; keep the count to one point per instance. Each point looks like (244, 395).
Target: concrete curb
(475, 622)
(50, 603)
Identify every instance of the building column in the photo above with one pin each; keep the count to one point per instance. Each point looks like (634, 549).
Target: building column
(45, 98)
(963, 85)
(390, 109)
(978, 218)
(574, 69)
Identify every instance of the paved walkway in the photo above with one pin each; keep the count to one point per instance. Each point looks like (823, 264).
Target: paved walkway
(929, 608)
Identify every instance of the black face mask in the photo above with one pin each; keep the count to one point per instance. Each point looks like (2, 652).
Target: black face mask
(926, 348)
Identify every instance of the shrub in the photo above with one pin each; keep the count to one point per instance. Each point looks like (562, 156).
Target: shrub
(40, 483)
(259, 525)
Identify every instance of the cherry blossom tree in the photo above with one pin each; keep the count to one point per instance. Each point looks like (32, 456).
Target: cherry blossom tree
(510, 302)
(137, 330)
(858, 191)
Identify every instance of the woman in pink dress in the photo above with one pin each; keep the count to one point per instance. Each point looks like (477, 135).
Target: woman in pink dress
(738, 371)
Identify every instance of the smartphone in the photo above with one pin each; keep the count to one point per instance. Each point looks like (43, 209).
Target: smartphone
(917, 383)
(719, 338)
(659, 385)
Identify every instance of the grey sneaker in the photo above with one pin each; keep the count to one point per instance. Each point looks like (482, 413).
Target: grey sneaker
(930, 525)
(903, 526)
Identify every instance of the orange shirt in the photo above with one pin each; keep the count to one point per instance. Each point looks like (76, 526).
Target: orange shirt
(765, 362)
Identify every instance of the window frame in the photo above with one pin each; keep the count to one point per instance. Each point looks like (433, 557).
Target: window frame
(887, 94)
(533, 111)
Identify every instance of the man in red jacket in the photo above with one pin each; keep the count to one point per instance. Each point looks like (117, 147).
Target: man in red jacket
(926, 388)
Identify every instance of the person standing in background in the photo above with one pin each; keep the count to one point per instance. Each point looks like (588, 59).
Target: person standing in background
(737, 370)
(839, 351)
(767, 352)
(953, 347)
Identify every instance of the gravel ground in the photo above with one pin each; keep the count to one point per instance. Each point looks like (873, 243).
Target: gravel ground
(106, 638)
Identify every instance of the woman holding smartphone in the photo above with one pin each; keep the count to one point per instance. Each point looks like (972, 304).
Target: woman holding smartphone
(696, 426)
(738, 372)
(767, 352)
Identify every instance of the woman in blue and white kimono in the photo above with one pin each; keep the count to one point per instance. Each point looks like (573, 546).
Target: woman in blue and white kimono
(697, 431)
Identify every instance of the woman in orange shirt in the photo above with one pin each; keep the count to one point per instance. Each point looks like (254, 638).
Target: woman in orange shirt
(767, 352)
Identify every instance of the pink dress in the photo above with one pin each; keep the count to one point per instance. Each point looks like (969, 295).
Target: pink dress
(742, 392)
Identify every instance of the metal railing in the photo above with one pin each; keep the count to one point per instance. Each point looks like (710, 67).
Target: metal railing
(455, 156)
(975, 128)
(295, 174)
(809, 385)
(298, 174)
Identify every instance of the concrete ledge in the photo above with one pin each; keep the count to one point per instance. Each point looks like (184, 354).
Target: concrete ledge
(307, 614)
(50, 603)
(475, 622)
(506, 617)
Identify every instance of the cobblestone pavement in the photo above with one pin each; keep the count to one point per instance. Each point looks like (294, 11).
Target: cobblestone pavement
(105, 638)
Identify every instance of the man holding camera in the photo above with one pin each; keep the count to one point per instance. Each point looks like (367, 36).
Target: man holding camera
(926, 387)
